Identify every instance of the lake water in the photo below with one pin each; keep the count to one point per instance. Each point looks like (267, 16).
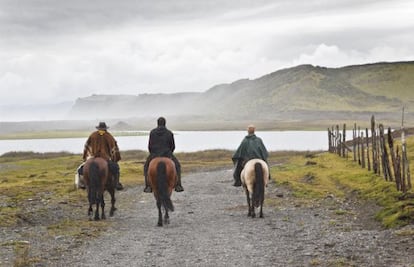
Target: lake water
(185, 141)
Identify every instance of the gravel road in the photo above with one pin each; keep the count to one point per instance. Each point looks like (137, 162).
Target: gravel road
(210, 227)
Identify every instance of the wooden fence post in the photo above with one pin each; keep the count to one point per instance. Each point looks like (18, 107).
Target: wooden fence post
(354, 140)
(338, 141)
(406, 176)
(329, 141)
(367, 140)
(374, 147)
(362, 151)
(359, 146)
(394, 159)
(378, 153)
(384, 155)
(343, 140)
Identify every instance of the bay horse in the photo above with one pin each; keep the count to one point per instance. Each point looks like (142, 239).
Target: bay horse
(98, 178)
(254, 178)
(162, 177)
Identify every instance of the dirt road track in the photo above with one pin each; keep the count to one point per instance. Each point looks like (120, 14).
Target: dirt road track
(210, 227)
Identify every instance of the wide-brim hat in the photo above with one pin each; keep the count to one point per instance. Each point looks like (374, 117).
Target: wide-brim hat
(102, 126)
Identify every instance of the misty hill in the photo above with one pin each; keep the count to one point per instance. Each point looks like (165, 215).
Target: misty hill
(296, 93)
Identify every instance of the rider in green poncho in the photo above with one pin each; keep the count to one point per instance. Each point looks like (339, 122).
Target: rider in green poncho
(251, 147)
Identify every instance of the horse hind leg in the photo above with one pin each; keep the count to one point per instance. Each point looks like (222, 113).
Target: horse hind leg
(261, 210)
(159, 213)
(252, 208)
(166, 217)
(253, 211)
(90, 211)
(97, 211)
(248, 203)
(103, 216)
(113, 209)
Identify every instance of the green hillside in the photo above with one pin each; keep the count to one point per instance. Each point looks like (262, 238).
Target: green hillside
(298, 93)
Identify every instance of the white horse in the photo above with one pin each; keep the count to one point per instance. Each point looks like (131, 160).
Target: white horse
(254, 178)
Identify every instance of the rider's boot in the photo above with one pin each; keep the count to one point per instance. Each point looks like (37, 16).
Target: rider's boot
(147, 188)
(119, 186)
(237, 182)
(178, 186)
(237, 173)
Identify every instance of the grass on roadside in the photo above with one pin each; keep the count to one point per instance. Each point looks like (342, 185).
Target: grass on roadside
(320, 175)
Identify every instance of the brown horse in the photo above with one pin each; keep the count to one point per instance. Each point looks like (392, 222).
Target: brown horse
(98, 179)
(162, 177)
(254, 178)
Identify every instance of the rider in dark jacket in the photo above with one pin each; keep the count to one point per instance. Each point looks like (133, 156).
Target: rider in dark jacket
(161, 144)
(251, 147)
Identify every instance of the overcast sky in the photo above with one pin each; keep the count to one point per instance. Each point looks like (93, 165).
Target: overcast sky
(58, 50)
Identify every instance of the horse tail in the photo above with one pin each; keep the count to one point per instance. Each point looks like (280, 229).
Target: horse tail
(258, 188)
(163, 186)
(94, 183)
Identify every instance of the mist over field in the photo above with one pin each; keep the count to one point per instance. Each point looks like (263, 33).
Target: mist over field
(303, 95)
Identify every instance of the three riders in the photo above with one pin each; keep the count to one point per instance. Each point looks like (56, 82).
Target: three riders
(161, 144)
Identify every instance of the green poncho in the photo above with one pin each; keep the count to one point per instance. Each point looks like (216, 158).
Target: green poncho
(251, 147)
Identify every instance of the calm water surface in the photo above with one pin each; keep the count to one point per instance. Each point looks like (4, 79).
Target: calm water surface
(185, 141)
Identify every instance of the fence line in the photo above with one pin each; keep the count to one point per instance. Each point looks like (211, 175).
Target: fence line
(378, 150)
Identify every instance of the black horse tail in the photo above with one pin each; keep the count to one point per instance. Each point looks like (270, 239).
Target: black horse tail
(94, 183)
(258, 188)
(163, 186)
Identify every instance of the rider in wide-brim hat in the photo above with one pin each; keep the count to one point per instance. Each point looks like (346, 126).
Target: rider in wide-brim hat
(102, 126)
(102, 144)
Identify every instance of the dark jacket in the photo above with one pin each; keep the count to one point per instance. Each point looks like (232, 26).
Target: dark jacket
(161, 142)
(251, 147)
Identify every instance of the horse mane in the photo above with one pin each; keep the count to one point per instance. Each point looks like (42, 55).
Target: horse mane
(258, 187)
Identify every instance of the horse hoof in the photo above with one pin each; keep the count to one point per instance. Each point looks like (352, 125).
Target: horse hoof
(179, 188)
(159, 224)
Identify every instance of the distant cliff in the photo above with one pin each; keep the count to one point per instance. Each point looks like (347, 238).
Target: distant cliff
(302, 92)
